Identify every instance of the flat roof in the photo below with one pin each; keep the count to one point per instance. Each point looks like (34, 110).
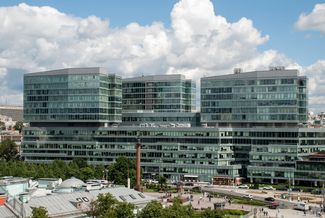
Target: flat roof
(257, 74)
(168, 77)
(81, 70)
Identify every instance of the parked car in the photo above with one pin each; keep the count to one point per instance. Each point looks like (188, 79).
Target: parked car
(268, 188)
(301, 206)
(296, 189)
(269, 199)
(243, 187)
(274, 205)
(248, 196)
(282, 189)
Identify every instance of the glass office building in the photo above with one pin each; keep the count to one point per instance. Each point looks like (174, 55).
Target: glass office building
(277, 97)
(172, 152)
(258, 114)
(77, 95)
(159, 93)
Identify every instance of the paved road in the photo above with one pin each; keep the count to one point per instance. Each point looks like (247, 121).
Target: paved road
(256, 194)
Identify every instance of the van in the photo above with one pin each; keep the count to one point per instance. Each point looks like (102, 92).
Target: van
(301, 206)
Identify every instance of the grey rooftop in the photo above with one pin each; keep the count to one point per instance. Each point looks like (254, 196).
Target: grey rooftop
(83, 70)
(256, 74)
(168, 77)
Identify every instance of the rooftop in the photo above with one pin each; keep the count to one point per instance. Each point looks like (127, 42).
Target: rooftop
(155, 78)
(78, 203)
(84, 70)
(282, 73)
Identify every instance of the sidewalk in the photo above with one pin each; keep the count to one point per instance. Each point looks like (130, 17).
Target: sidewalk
(201, 202)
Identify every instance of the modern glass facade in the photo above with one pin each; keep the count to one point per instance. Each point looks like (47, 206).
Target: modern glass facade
(72, 95)
(278, 157)
(259, 98)
(166, 151)
(160, 93)
(159, 119)
(269, 154)
(68, 110)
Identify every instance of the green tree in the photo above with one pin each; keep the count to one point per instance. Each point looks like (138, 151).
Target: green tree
(208, 213)
(8, 150)
(39, 212)
(87, 173)
(122, 169)
(81, 163)
(162, 182)
(177, 210)
(103, 206)
(2, 126)
(124, 210)
(152, 210)
(19, 126)
(106, 206)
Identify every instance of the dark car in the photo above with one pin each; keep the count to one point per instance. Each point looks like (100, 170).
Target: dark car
(282, 189)
(296, 189)
(274, 205)
(269, 199)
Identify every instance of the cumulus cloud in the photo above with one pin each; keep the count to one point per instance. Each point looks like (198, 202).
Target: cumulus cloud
(316, 85)
(314, 20)
(198, 43)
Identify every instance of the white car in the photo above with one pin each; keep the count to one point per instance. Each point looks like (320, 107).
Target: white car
(243, 187)
(268, 188)
(248, 196)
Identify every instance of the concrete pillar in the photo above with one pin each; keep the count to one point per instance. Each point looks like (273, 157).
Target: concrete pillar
(272, 181)
(315, 183)
(251, 180)
(293, 182)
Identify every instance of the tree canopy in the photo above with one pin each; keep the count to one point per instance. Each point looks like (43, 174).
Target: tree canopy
(155, 210)
(2, 126)
(8, 150)
(39, 212)
(162, 182)
(122, 169)
(19, 126)
(106, 206)
(117, 172)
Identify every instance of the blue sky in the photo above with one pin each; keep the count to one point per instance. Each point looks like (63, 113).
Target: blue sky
(191, 37)
(275, 18)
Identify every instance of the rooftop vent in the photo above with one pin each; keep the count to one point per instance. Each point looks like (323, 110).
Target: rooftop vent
(238, 70)
(273, 68)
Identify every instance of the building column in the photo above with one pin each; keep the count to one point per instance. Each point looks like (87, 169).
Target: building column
(272, 181)
(251, 180)
(315, 183)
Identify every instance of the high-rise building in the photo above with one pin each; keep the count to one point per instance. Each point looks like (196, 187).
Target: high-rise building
(252, 124)
(276, 97)
(72, 97)
(160, 93)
